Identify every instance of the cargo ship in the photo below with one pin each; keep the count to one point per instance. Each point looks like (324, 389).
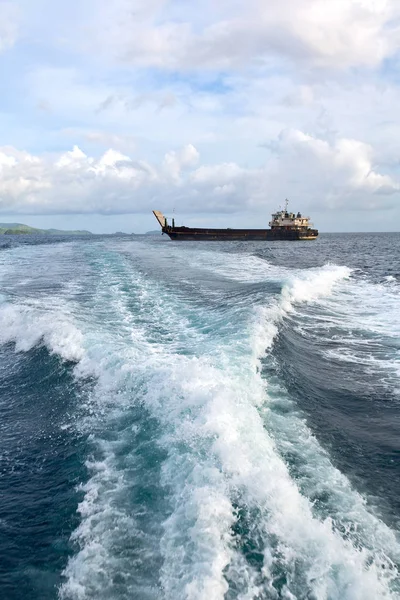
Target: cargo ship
(284, 225)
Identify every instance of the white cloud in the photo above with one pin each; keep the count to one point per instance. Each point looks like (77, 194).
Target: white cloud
(351, 159)
(72, 159)
(312, 171)
(229, 35)
(291, 98)
(303, 96)
(174, 162)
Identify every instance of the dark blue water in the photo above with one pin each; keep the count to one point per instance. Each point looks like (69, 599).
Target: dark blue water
(200, 420)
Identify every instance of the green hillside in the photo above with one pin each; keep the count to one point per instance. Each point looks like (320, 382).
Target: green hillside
(20, 228)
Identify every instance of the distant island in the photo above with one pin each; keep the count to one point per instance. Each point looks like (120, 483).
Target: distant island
(20, 229)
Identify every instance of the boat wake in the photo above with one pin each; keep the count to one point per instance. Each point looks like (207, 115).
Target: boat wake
(204, 479)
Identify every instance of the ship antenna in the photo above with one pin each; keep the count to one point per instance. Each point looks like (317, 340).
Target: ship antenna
(286, 204)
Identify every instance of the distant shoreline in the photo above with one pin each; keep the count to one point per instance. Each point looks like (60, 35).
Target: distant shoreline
(21, 229)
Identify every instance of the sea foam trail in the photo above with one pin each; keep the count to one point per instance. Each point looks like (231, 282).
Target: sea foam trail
(214, 456)
(220, 456)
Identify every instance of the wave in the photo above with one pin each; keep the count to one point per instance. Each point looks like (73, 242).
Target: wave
(360, 326)
(220, 458)
(29, 326)
(189, 473)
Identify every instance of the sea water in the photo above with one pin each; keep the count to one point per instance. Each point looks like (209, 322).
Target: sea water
(199, 421)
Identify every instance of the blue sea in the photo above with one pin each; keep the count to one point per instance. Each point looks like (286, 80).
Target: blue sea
(199, 421)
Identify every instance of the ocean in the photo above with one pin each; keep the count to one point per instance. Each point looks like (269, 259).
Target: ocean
(199, 421)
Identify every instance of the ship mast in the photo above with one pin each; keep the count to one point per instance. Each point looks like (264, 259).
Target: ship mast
(286, 204)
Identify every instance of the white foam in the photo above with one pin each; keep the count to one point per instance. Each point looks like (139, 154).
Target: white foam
(204, 387)
(363, 321)
(226, 415)
(239, 267)
(29, 320)
(301, 287)
(218, 449)
(106, 528)
(29, 325)
(311, 284)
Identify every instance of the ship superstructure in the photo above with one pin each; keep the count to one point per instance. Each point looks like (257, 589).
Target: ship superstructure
(284, 225)
(285, 220)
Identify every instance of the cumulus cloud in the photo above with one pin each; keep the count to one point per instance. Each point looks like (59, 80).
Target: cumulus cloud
(279, 98)
(338, 34)
(312, 170)
(174, 162)
(345, 164)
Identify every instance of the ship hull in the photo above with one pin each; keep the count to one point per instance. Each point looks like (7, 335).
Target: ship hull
(196, 234)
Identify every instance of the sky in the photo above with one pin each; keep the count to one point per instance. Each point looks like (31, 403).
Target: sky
(214, 111)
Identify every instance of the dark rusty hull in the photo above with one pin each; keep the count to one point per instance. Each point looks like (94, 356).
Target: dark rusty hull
(197, 234)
